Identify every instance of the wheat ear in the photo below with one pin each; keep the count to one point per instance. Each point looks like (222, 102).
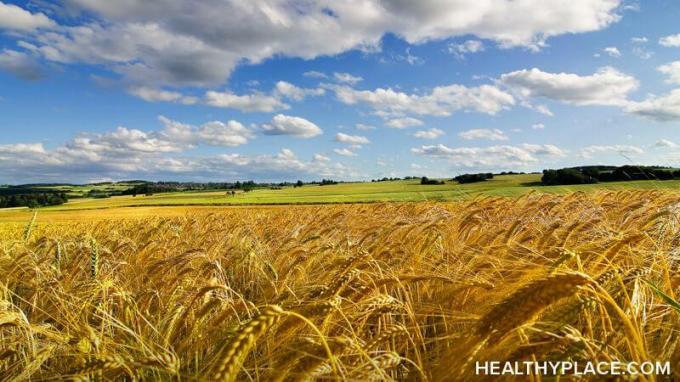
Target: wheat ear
(236, 351)
(527, 302)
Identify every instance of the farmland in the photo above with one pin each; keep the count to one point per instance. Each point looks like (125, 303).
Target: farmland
(382, 291)
(390, 191)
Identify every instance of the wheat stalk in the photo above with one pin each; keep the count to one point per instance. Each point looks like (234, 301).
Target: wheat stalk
(528, 301)
(235, 352)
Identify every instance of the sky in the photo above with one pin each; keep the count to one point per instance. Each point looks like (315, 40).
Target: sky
(280, 90)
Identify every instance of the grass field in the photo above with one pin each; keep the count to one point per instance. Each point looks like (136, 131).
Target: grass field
(382, 291)
(396, 191)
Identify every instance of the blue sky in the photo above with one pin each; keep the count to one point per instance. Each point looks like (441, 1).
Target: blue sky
(270, 90)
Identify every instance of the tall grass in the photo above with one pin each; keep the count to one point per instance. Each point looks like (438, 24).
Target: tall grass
(357, 292)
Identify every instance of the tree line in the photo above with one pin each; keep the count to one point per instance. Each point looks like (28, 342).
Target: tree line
(23, 197)
(596, 174)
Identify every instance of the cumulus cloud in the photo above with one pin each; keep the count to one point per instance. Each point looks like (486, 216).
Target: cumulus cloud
(361, 126)
(128, 153)
(403, 123)
(351, 139)
(159, 95)
(670, 41)
(642, 53)
(347, 78)
(321, 158)
(287, 90)
(433, 133)
(214, 133)
(625, 150)
(22, 148)
(141, 53)
(505, 156)
(486, 134)
(639, 40)
(218, 133)
(18, 19)
(664, 108)
(665, 143)
(315, 74)
(20, 65)
(345, 152)
(538, 126)
(612, 51)
(672, 70)
(295, 126)
(441, 101)
(165, 43)
(607, 86)
(256, 102)
(469, 46)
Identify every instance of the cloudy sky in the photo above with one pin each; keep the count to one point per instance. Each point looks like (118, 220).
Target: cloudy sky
(349, 89)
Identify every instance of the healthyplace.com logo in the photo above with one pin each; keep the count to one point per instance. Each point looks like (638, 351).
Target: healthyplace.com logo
(612, 368)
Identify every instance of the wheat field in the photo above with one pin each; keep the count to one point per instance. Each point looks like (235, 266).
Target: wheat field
(404, 291)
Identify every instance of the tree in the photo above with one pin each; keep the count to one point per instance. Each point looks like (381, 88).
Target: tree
(566, 176)
(426, 181)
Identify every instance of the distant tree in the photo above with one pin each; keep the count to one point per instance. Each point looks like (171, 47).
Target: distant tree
(472, 178)
(426, 181)
(327, 182)
(566, 176)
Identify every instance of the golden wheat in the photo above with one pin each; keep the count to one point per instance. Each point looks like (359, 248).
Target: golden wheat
(404, 291)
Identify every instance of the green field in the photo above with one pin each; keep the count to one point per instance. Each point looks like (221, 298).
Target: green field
(400, 191)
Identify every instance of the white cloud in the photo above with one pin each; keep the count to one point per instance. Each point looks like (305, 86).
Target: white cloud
(665, 143)
(287, 125)
(345, 152)
(165, 43)
(256, 102)
(642, 53)
(612, 51)
(20, 64)
(433, 133)
(538, 126)
(607, 86)
(159, 95)
(510, 23)
(361, 126)
(288, 90)
(214, 133)
(403, 123)
(639, 40)
(347, 78)
(321, 158)
(126, 153)
(314, 74)
(672, 70)
(624, 150)
(670, 41)
(469, 46)
(504, 156)
(22, 148)
(479, 134)
(409, 58)
(664, 108)
(441, 101)
(351, 139)
(145, 54)
(232, 133)
(17, 18)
